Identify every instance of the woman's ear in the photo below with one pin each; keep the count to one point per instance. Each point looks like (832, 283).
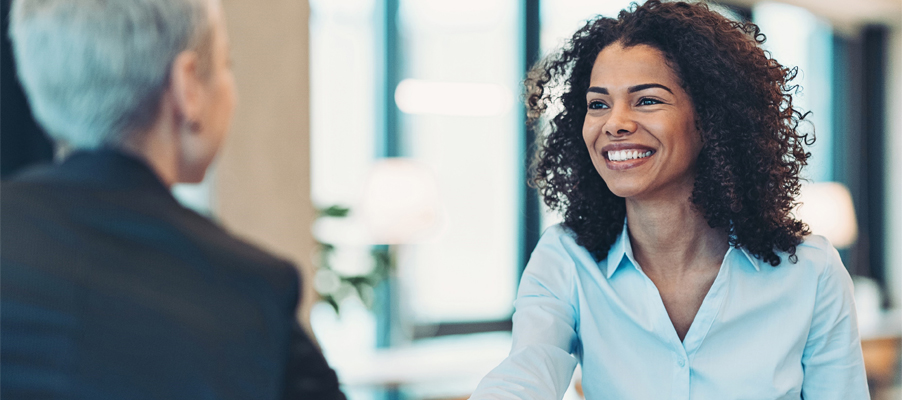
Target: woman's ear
(187, 89)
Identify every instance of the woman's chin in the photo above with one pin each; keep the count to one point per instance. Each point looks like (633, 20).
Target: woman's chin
(625, 190)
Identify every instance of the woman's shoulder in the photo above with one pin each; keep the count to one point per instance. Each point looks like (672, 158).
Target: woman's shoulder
(557, 232)
(559, 242)
(815, 254)
(560, 237)
(557, 235)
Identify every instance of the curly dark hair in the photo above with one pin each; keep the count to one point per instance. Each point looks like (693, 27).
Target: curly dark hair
(748, 170)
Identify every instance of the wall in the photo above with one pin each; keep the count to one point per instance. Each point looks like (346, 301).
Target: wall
(262, 179)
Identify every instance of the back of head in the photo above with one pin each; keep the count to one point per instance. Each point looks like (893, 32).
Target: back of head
(94, 70)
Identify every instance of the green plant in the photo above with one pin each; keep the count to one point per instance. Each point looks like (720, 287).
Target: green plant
(334, 286)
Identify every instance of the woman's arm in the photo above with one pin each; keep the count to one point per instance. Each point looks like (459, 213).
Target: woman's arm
(540, 364)
(832, 361)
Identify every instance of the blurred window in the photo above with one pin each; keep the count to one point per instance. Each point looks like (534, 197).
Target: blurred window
(453, 69)
(344, 78)
(459, 73)
(798, 38)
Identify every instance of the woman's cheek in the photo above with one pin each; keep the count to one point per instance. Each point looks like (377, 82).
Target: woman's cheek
(591, 127)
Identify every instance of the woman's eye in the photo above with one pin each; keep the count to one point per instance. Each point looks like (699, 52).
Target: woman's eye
(645, 101)
(597, 105)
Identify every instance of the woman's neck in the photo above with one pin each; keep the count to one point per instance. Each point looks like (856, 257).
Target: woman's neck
(673, 237)
(158, 149)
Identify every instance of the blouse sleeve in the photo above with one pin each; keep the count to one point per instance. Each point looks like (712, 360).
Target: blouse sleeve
(541, 361)
(832, 361)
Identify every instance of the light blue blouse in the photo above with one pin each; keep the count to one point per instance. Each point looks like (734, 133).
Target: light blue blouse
(762, 332)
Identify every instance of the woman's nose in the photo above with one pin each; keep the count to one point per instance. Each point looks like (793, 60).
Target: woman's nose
(620, 122)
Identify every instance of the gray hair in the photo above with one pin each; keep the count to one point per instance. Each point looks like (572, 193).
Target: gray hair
(94, 71)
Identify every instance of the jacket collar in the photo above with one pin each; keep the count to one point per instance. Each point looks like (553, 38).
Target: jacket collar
(104, 168)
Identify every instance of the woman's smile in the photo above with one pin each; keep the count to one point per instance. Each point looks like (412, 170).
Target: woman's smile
(623, 156)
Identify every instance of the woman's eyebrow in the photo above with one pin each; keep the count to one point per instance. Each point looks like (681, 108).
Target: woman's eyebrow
(631, 89)
(644, 86)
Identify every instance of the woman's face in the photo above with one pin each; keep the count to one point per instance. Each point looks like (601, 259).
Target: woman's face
(640, 125)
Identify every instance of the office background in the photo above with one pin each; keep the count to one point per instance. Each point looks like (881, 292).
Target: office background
(438, 84)
(331, 89)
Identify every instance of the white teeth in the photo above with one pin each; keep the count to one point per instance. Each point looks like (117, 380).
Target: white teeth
(623, 155)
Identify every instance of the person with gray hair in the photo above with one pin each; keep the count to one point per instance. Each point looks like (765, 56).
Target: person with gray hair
(110, 288)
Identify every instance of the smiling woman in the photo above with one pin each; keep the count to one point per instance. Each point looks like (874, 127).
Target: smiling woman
(673, 151)
(743, 108)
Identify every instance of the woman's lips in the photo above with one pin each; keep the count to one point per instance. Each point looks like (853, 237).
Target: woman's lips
(625, 156)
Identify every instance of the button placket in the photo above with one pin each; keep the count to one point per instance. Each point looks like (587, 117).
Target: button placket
(681, 378)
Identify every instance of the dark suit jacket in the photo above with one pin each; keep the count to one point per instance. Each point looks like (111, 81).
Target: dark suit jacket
(109, 289)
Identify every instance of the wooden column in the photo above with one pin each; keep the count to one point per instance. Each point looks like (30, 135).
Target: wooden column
(261, 188)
